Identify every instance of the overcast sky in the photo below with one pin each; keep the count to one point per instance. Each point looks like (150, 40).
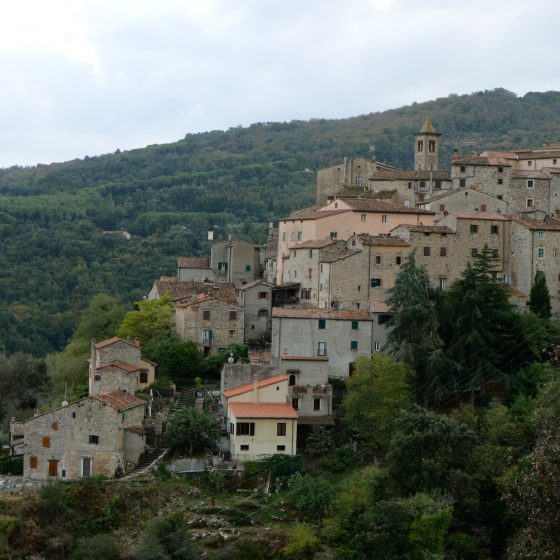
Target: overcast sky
(87, 77)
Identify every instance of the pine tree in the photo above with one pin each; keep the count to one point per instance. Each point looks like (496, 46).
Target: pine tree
(539, 298)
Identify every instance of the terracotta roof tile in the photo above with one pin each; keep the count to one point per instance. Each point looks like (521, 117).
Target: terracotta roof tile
(183, 290)
(378, 241)
(494, 161)
(125, 366)
(119, 400)
(290, 358)
(337, 256)
(541, 225)
(451, 192)
(194, 262)
(200, 298)
(364, 192)
(247, 388)
(368, 205)
(315, 243)
(481, 216)
(315, 215)
(109, 341)
(263, 410)
(411, 175)
(424, 229)
(316, 313)
(529, 174)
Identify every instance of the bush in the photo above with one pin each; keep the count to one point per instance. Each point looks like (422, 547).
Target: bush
(311, 495)
(101, 546)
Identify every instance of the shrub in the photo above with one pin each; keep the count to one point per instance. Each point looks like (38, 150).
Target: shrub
(99, 546)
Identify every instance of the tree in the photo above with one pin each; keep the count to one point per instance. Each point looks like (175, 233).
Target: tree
(174, 357)
(149, 319)
(192, 430)
(378, 391)
(414, 337)
(539, 297)
(311, 495)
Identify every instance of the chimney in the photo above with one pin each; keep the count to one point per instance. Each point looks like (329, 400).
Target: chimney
(255, 389)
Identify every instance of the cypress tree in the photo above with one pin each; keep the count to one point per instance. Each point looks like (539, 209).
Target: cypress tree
(539, 298)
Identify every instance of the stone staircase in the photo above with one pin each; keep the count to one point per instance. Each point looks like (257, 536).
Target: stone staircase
(185, 398)
(147, 461)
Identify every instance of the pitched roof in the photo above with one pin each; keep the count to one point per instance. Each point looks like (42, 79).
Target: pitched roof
(314, 215)
(382, 241)
(317, 313)
(113, 340)
(481, 160)
(183, 290)
(263, 410)
(529, 174)
(424, 229)
(194, 262)
(411, 175)
(288, 358)
(451, 192)
(481, 216)
(248, 387)
(315, 243)
(541, 225)
(119, 400)
(539, 154)
(200, 298)
(258, 282)
(427, 127)
(125, 366)
(364, 192)
(369, 205)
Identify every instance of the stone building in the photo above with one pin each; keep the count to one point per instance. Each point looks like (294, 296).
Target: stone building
(98, 435)
(116, 363)
(322, 335)
(256, 300)
(235, 261)
(194, 269)
(180, 292)
(211, 322)
(426, 153)
(536, 246)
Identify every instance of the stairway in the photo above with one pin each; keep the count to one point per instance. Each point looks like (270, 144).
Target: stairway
(147, 460)
(185, 398)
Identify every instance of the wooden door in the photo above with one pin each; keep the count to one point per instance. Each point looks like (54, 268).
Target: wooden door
(86, 466)
(53, 467)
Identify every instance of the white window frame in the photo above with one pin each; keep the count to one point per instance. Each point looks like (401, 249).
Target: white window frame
(540, 234)
(376, 346)
(530, 183)
(529, 203)
(541, 253)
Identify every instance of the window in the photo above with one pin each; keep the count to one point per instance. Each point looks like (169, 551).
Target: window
(407, 203)
(494, 230)
(54, 426)
(529, 203)
(333, 235)
(540, 234)
(437, 184)
(354, 325)
(32, 462)
(292, 380)
(376, 282)
(321, 287)
(233, 315)
(376, 346)
(420, 145)
(377, 259)
(474, 252)
(280, 448)
(223, 265)
(262, 313)
(46, 441)
(207, 337)
(426, 251)
(244, 447)
(263, 295)
(247, 268)
(362, 217)
(422, 186)
(462, 183)
(540, 253)
(245, 429)
(384, 218)
(554, 161)
(383, 318)
(431, 146)
(530, 183)
(310, 253)
(306, 293)
(353, 345)
(322, 349)
(463, 168)
(295, 273)
(495, 253)
(500, 197)
(73, 415)
(441, 207)
(295, 404)
(359, 287)
(442, 284)
(93, 439)
(410, 184)
(474, 228)
(398, 260)
(97, 377)
(529, 163)
(281, 429)
(299, 235)
(500, 181)
(500, 169)
(483, 207)
(231, 333)
(322, 323)
(316, 404)
(443, 251)
(283, 236)
(206, 315)
(309, 273)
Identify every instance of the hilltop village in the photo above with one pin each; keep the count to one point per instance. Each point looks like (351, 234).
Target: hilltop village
(310, 302)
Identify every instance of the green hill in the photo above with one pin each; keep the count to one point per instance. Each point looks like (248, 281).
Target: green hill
(54, 254)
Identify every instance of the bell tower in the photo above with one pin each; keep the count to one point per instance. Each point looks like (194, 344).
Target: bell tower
(426, 148)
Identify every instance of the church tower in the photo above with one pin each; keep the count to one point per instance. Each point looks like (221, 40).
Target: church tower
(426, 148)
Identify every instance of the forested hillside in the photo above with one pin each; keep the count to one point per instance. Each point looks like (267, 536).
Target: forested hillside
(55, 252)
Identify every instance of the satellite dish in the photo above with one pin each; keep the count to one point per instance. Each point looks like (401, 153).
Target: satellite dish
(231, 359)
(64, 403)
